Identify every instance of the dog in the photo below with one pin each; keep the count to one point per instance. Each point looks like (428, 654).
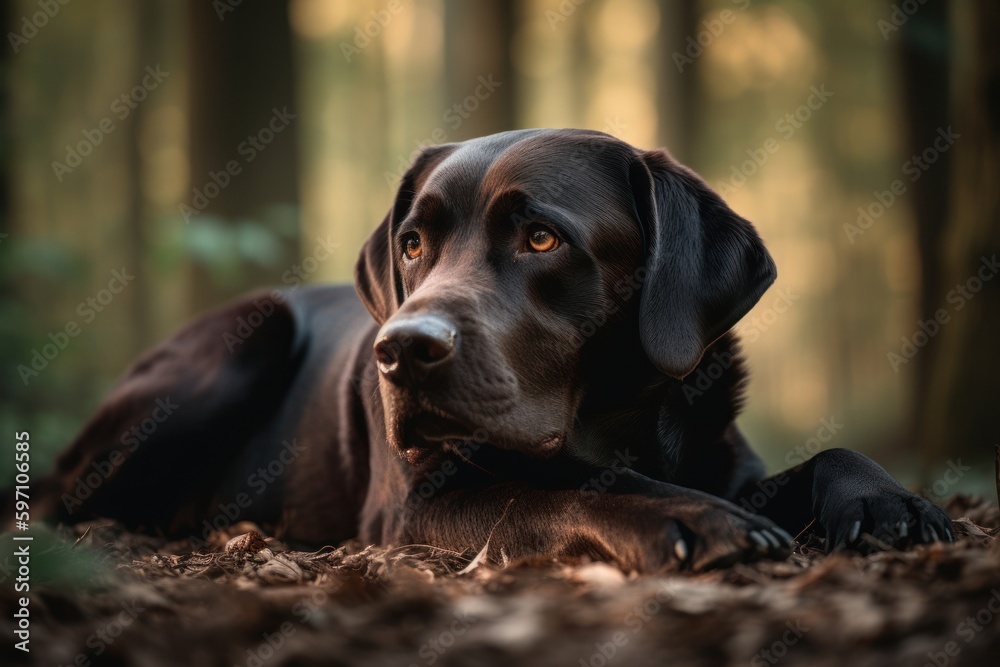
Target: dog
(515, 371)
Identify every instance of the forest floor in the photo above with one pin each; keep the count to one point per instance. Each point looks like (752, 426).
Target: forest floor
(253, 602)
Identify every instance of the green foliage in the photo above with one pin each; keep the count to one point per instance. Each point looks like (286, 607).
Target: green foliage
(230, 249)
(58, 564)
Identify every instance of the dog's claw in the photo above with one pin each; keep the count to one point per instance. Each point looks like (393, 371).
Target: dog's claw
(904, 530)
(775, 542)
(758, 540)
(933, 534)
(855, 532)
(680, 550)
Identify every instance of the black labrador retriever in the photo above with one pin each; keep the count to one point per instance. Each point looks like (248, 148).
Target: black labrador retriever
(542, 300)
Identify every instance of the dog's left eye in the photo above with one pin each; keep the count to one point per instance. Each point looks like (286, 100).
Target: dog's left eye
(412, 247)
(542, 239)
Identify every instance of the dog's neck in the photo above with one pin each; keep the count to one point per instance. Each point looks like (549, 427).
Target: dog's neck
(638, 414)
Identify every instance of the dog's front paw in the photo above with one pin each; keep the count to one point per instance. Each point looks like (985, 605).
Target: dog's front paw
(882, 518)
(857, 504)
(718, 534)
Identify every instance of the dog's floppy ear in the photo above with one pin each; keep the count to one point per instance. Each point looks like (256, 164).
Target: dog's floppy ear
(706, 266)
(375, 276)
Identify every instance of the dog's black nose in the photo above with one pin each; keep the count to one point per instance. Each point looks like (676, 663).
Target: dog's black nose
(410, 349)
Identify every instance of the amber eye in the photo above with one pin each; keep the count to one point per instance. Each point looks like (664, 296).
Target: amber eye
(411, 245)
(542, 239)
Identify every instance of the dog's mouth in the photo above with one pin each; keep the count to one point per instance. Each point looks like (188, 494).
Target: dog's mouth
(429, 426)
(424, 428)
(425, 432)
(431, 429)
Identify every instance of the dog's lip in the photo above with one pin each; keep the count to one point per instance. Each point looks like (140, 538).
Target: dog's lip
(425, 432)
(431, 423)
(430, 407)
(436, 428)
(553, 442)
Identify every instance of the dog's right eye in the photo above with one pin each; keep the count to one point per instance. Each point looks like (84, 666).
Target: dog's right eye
(411, 245)
(542, 239)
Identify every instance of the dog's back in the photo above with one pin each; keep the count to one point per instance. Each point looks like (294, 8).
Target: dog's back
(249, 412)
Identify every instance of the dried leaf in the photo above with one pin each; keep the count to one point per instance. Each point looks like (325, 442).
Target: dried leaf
(249, 543)
(280, 569)
(967, 527)
(480, 557)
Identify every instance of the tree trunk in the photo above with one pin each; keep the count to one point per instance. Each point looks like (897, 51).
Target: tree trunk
(477, 47)
(679, 94)
(960, 417)
(925, 80)
(241, 71)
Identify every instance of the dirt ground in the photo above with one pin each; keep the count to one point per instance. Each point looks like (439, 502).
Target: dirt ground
(137, 600)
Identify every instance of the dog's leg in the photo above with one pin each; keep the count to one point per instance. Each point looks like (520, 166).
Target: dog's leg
(160, 444)
(845, 495)
(683, 528)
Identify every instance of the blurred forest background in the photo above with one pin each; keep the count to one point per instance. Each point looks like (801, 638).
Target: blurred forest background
(208, 147)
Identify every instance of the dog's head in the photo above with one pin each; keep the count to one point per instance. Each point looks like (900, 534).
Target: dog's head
(513, 268)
